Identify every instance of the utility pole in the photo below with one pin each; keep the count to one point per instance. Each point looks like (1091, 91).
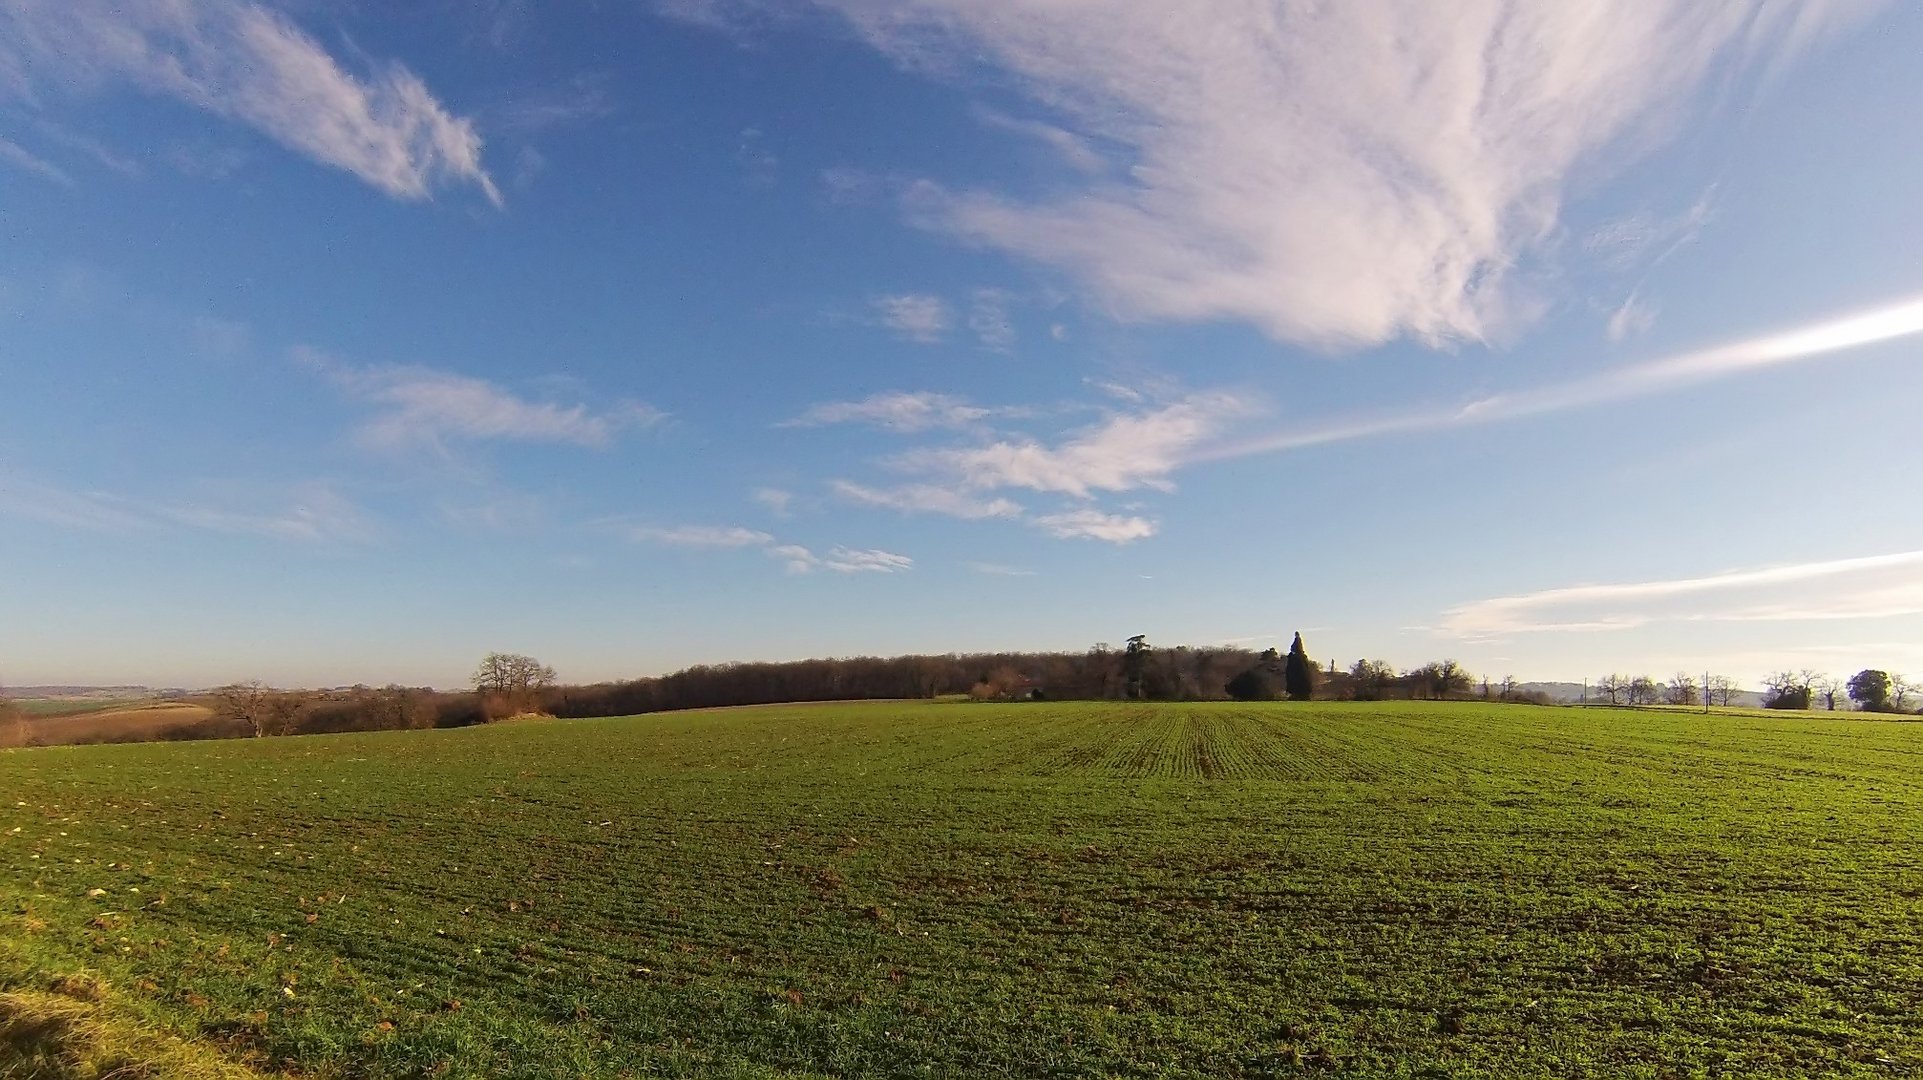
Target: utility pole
(1705, 693)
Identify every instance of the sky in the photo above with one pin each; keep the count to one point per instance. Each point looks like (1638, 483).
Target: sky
(343, 342)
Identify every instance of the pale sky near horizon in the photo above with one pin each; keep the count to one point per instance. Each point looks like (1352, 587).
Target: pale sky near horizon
(344, 341)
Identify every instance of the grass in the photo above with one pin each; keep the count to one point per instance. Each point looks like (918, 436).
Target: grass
(1075, 889)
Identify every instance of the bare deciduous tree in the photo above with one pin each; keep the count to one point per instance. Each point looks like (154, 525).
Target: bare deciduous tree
(1790, 689)
(1826, 688)
(265, 710)
(1643, 691)
(1615, 688)
(1373, 679)
(511, 683)
(1682, 690)
(1903, 692)
(1721, 690)
(399, 708)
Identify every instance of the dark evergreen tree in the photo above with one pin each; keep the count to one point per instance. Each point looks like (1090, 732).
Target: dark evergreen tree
(1135, 667)
(1299, 673)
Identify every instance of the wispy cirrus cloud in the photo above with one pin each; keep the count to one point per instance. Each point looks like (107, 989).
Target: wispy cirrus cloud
(841, 560)
(990, 320)
(798, 558)
(1810, 342)
(1641, 240)
(1096, 525)
(999, 570)
(89, 147)
(1126, 451)
(312, 512)
(1423, 153)
(424, 407)
(579, 100)
(775, 500)
(1871, 587)
(928, 499)
(317, 513)
(1071, 148)
(27, 161)
(723, 537)
(251, 64)
(916, 317)
(898, 411)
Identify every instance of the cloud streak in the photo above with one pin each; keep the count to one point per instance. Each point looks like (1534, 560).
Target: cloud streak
(915, 317)
(1338, 175)
(317, 513)
(1871, 587)
(897, 411)
(1122, 453)
(841, 560)
(1095, 525)
(797, 558)
(424, 407)
(928, 499)
(247, 63)
(27, 161)
(1798, 345)
(1125, 451)
(722, 537)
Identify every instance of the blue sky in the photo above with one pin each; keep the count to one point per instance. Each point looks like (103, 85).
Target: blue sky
(343, 342)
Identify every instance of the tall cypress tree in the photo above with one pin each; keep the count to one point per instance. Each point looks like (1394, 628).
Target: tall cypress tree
(1298, 675)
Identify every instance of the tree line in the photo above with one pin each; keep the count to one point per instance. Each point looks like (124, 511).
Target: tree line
(1870, 690)
(505, 685)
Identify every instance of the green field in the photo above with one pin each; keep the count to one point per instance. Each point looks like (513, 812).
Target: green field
(1053, 890)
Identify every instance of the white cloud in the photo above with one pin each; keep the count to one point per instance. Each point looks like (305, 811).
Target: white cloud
(998, 570)
(988, 317)
(871, 561)
(91, 147)
(425, 407)
(206, 161)
(1873, 587)
(841, 560)
(1337, 174)
(1095, 525)
(579, 100)
(797, 558)
(1124, 452)
(897, 411)
(25, 160)
(1643, 239)
(1074, 150)
(218, 337)
(248, 63)
(928, 499)
(1634, 317)
(1796, 345)
(95, 511)
(775, 500)
(759, 165)
(914, 316)
(701, 536)
(318, 512)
